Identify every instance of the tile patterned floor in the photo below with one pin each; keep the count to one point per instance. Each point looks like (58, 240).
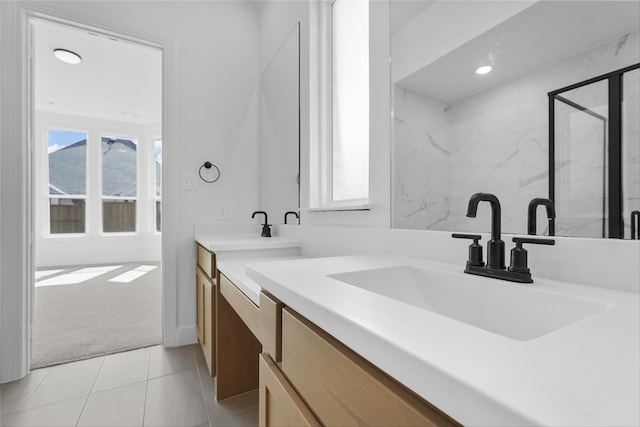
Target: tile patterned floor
(147, 387)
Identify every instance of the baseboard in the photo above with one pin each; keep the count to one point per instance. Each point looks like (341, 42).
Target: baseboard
(184, 336)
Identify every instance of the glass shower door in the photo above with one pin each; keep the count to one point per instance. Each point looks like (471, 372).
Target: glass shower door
(581, 161)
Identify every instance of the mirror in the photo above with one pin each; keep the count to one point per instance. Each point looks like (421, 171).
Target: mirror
(456, 132)
(279, 135)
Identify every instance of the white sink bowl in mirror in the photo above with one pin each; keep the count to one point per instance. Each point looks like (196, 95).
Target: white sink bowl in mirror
(511, 310)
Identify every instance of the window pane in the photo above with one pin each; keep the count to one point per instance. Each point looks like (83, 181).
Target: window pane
(157, 161)
(350, 99)
(66, 215)
(119, 167)
(67, 162)
(118, 216)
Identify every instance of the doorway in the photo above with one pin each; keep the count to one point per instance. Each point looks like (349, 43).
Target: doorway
(97, 141)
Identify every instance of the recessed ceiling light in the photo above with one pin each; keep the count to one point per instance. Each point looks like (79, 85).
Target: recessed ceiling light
(67, 56)
(484, 69)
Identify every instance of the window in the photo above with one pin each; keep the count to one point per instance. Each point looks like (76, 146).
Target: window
(348, 56)
(67, 152)
(157, 171)
(119, 184)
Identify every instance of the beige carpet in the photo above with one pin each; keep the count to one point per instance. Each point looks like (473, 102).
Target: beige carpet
(88, 311)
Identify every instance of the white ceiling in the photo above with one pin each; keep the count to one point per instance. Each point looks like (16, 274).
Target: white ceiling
(542, 34)
(117, 80)
(403, 11)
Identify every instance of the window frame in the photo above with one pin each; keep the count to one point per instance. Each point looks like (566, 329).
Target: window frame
(326, 199)
(155, 197)
(48, 196)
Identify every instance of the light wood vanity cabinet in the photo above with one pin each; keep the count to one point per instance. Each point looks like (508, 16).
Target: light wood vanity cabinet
(321, 376)
(280, 405)
(205, 304)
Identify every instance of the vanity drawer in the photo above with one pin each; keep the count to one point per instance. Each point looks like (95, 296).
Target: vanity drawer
(206, 260)
(243, 306)
(271, 326)
(344, 389)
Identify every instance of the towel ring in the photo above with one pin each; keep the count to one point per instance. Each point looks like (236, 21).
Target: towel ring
(208, 165)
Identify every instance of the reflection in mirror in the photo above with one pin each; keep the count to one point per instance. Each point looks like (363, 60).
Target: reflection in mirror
(279, 124)
(457, 132)
(594, 163)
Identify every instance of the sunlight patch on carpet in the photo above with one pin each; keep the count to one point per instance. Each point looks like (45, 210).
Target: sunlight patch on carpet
(133, 274)
(77, 276)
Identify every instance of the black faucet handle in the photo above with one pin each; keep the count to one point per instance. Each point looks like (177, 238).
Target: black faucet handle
(519, 261)
(474, 237)
(532, 241)
(475, 249)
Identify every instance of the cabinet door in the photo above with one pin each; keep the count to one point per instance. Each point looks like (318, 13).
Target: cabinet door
(280, 405)
(208, 325)
(200, 283)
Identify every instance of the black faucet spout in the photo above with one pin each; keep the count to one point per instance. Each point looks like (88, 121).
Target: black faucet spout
(531, 216)
(496, 215)
(253, 215)
(291, 213)
(495, 246)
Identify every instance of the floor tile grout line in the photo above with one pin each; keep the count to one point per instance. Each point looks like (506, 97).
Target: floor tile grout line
(204, 398)
(89, 394)
(146, 388)
(35, 389)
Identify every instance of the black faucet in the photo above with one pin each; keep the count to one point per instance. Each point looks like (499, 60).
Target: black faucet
(531, 215)
(635, 225)
(518, 270)
(266, 228)
(291, 213)
(495, 247)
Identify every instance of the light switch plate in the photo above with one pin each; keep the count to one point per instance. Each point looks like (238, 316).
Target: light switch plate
(188, 182)
(222, 212)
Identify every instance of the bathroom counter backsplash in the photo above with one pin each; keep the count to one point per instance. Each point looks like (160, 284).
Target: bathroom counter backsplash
(606, 263)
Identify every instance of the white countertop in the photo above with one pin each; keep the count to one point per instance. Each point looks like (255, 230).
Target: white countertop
(216, 242)
(235, 272)
(586, 373)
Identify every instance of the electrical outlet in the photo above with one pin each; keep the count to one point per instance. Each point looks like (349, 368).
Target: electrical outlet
(188, 182)
(222, 212)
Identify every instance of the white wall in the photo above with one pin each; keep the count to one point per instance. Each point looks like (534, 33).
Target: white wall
(277, 20)
(211, 69)
(94, 247)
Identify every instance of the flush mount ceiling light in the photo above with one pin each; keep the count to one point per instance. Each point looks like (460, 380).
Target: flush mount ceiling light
(67, 56)
(484, 69)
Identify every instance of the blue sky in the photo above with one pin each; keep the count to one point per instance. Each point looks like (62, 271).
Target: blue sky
(58, 139)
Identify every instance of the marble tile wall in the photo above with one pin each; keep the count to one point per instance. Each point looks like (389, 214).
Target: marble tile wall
(495, 141)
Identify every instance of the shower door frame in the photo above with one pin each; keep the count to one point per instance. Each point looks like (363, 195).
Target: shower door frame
(614, 158)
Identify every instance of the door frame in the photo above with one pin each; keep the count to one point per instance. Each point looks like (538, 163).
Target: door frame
(17, 223)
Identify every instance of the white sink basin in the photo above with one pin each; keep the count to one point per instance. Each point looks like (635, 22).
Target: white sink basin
(520, 312)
